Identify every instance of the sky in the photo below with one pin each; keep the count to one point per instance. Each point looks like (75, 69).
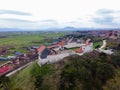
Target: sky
(46, 14)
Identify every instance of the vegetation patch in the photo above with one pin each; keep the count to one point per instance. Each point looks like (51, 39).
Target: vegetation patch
(97, 44)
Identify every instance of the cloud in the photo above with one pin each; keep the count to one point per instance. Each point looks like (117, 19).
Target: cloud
(105, 11)
(14, 12)
(28, 21)
(48, 20)
(27, 24)
(15, 20)
(107, 18)
(103, 20)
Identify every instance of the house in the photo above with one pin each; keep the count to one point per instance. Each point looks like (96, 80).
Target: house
(43, 52)
(58, 46)
(18, 54)
(88, 41)
(84, 49)
(79, 50)
(55, 58)
(113, 36)
(4, 69)
(87, 48)
(41, 48)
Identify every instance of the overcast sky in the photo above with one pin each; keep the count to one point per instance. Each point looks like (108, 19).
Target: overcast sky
(43, 14)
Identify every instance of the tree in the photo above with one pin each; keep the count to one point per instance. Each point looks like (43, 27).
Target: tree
(92, 75)
(104, 72)
(97, 46)
(38, 82)
(115, 60)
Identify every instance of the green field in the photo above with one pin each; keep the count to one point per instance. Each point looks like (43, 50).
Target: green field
(27, 39)
(21, 41)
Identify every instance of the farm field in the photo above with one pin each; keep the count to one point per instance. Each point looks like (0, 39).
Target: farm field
(21, 41)
(27, 39)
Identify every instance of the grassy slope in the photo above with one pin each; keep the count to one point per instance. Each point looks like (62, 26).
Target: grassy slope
(22, 80)
(51, 73)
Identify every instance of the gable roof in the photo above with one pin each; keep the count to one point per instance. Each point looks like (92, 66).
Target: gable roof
(41, 48)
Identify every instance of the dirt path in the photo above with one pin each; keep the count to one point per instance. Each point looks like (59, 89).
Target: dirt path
(103, 45)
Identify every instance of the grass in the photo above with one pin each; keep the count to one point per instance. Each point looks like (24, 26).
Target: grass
(22, 80)
(74, 48)
(3, 62)
(97, 44)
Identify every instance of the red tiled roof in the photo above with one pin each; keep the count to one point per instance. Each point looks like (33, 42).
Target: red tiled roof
(4, 69)
(41, 48)
(79, 50)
